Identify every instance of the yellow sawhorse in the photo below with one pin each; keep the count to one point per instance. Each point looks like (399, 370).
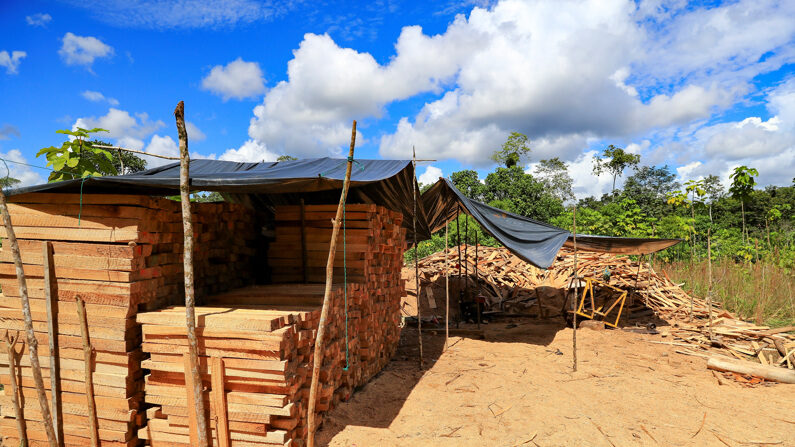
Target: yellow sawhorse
(594, 311)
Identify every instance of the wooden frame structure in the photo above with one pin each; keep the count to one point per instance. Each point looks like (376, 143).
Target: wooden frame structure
(595, 311)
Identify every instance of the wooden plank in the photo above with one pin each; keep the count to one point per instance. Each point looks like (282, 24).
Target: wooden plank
(191, 407)
(219, 402)
(51, 300)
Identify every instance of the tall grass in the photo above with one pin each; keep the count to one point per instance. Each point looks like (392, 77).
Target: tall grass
(761, 292)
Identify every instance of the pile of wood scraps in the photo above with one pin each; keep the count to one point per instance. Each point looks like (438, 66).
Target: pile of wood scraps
(511, 285)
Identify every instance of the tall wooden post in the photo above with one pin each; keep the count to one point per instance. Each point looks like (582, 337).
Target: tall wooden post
(321, 329)
(709, 290)
(88, 357)
(576, 293)
(416, 259)
(304, 267)
(51, 300)
(33, 344)
(12, 373)
(446, 288)
(195, 387)
(477, 279)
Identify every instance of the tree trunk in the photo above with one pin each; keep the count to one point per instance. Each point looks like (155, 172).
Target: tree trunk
(33, 344)
(742, 209)
(321, 329)
(446, 288)
(190, 311)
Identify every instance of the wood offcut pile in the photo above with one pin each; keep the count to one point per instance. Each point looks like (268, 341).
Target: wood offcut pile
(119, 254)
(510, 284)
(256, 343)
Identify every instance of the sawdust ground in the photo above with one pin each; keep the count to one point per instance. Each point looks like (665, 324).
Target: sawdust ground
(515, 389)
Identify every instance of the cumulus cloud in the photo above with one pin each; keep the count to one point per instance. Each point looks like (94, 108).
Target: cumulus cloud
(250, 151)
(126, 130)
(38, 19)
(8, 130)
(194, 133)
(25, 174)
(166, 14)
(83, 50)
(238, 80)
(99, 97)
(11, 60)
(430, 176)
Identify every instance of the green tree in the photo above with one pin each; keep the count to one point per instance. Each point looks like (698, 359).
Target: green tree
(124, 162)
(74, 158)
(743, 183)
(554, 174)
(648, 187)
(714, 191)
(7, 182)
(516, 191)
(286, 158)
(514, 151)
(468, 183)
(614, 161)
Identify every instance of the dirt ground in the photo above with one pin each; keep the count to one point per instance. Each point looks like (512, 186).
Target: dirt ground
(517, 388)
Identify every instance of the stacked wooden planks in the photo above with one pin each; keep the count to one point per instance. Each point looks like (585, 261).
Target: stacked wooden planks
(118, 254)
(264, 337)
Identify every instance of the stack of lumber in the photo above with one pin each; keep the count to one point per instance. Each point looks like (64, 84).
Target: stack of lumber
(118, 254)
(264, 335)
(508, 283)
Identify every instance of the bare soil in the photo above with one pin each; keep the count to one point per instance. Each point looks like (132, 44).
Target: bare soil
(517, 388)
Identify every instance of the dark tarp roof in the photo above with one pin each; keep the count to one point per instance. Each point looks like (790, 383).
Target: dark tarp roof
(535, 242)
(383, 182)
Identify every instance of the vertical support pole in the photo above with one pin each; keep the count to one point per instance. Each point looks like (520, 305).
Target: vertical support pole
(466, 256)
(460, 267)
(193, 422)
(12, 373)
(304, 269)
(88, 358)
(416, 258)
(321, 329)
(194, 386)
(709, 290)
(51, 299)
(219, 402)
(446, 287)
(33, 344)
(576, 293)
(477, 279)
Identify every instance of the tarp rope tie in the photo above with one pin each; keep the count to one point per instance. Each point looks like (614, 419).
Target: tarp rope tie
(345, 279)
(80, 211)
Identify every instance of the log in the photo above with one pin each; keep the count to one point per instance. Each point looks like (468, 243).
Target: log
(10, 343)
(752, 369)
(88, 354)
(190, 314)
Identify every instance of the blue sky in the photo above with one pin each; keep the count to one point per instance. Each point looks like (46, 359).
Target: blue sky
(702, 87)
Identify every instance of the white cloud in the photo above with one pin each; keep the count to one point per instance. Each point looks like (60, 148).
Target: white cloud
(99, 97)
(165, 14)
(38, 19)
(161, 146)
(24, 174)
(11, 61)
(250, 151)
(127, 130)
(430, 176)
(238, 80)
(83, 50)
(194, 133)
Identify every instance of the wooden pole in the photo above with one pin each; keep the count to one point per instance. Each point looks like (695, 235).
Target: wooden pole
(33, 344)
(458, 240)
(466, 257)
(190, 312)
(709, 290)
(12, 373)
(576, 294)
(416, 259)
(446, 288)
(321, 329)
(88, 357)
(51, 300)
(477, 279)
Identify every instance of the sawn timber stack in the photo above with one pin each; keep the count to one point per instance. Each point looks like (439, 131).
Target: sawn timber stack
(119, 254)
(264, 335)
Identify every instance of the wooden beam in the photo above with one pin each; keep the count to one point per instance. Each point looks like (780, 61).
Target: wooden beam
(321, 329)
(33, 344)
(193, 424)
(195, 384)
(218, 399)
(88, 355)
(51, 298)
